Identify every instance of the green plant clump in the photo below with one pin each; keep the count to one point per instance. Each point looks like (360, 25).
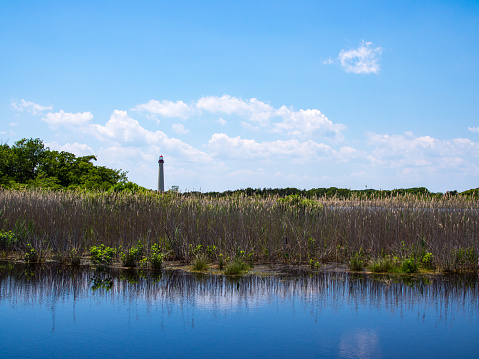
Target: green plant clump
(236, 267)
(156, 256)
(200, 263)
(102, 255)
(409, 265)
(133, 256)
(356, 263)
(7, 239)
(31, 255)
(387, 264)
(427, 261)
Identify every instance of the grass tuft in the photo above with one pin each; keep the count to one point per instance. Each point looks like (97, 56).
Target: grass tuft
(236, 267)
(200, 263)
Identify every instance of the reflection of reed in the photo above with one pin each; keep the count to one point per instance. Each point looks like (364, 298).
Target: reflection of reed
(50, 284)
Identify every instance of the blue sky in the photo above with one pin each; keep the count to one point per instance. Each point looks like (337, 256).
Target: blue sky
(306, 94)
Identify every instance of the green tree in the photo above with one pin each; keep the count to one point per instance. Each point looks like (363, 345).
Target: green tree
(26, 158)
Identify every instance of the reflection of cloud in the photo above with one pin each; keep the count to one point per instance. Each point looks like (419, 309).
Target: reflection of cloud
(361, 343)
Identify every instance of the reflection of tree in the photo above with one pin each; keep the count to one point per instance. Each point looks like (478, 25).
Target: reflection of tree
(101, 283)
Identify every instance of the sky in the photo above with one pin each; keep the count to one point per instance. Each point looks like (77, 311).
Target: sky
(261, 94)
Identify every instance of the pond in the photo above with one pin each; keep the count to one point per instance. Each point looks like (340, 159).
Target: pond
(53, 311)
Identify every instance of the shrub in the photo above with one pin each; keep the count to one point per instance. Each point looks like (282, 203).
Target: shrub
(211, 252)
(356, 263)
(427, 261)
(156, 256)
(31, 255)
(7, 239)
(102, 255)
(132, 256)
(409, 265)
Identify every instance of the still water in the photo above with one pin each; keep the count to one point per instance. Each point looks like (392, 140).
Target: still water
(63, 312)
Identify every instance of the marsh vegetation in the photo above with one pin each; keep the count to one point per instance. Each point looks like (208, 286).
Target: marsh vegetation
(402, 233)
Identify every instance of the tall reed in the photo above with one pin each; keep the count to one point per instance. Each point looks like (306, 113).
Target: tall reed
(293, 229)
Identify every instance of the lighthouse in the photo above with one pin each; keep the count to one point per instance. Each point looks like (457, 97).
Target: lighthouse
(161, 175)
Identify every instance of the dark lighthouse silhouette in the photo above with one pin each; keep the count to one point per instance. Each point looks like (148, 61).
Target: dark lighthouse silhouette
(161, 176)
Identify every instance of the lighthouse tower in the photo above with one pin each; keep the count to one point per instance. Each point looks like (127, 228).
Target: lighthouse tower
(161, 176)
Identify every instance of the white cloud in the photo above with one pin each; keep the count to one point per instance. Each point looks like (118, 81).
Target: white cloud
(122, 129)
(363, 60)
(57, 119)
(305, 122)
(253, 109)
(262, 116)
(255, 114)
(406, 151)
(474, 129)
(166, 108)
(222, 145)
(78, 149)
(31, 107)
(179, 129)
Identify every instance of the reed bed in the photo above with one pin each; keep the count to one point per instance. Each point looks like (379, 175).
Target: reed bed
(267, 229)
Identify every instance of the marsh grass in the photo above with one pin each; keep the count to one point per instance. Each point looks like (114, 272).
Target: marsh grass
(386, 264)
(357, 261)
(200, 263)
(441, 233)
(236, 267)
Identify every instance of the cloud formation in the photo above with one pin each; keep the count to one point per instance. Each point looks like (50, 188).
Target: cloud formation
(30, 107)
(218, 154)
(428, 153)
(165, 108)
(362, 60)
(254, 114)
(223, 146)
(179, 129)
(58, 119)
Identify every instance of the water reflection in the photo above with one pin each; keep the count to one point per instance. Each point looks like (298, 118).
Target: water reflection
(361, 343)
(49, 284)
(326, 313)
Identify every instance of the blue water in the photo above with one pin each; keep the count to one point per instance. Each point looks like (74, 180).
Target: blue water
(58, 312)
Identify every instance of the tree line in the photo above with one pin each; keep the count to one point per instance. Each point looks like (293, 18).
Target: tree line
(28, 163)
(341, 193)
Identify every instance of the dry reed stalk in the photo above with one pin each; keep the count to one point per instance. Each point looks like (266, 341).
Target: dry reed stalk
(271, 229)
